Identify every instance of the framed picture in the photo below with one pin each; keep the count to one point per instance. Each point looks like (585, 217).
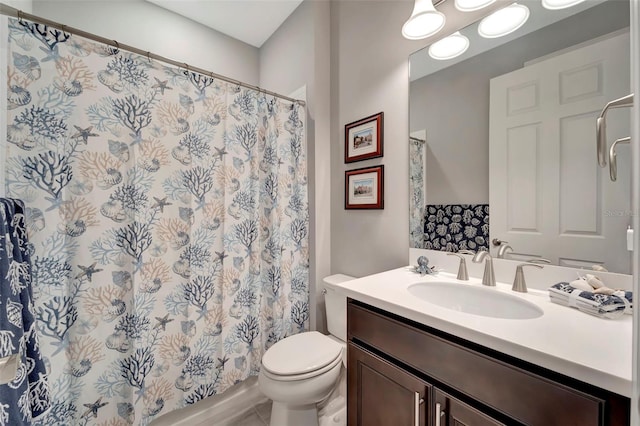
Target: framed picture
(363, 139)
(364, 188)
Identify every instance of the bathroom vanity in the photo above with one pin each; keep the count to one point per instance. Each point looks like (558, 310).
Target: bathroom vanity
(411, 362)
(403, 373)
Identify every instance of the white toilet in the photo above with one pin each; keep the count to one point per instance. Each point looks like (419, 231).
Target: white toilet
(302, 370)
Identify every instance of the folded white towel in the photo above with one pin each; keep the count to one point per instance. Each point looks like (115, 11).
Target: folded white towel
(600, 305)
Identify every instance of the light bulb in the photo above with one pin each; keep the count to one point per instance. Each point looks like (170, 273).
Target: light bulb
(424, 21)
(449, 47)
(504, 21)
(559, 4)
(472, 5)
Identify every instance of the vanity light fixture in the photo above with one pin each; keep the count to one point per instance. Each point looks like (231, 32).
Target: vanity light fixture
(473, 5)
(449, 47)
(559, 4)
(504, 21)
(424, 21)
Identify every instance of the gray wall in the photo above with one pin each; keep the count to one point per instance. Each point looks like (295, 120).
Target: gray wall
(457, 126)
(287, 57)
(453, 104)
(297, 54)
(23, 5)
(152, 28)
(369, 75)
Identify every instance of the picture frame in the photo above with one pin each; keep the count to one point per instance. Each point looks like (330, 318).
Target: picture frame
(363, 139)
(364, 188)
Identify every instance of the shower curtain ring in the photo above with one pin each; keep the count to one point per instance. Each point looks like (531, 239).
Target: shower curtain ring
(20, 17)
(149, 56)
(117, 44)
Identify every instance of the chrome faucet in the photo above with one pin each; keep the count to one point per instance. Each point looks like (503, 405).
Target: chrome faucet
(463, 275)
(488, 278)
(503, 249)
(519, 284)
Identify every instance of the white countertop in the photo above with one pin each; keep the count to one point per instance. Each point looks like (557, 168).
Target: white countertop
(594, 350)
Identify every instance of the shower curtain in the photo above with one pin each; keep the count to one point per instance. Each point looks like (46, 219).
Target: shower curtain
(417, 152)
(169, 221)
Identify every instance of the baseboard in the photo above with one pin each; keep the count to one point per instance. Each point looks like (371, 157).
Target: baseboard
(216, 409)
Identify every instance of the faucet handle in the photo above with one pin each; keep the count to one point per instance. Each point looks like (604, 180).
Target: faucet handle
(519, 284)
(463, 275)
(539, 260)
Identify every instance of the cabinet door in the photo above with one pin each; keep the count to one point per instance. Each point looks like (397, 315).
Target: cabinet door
(381, 394)
(450, 411)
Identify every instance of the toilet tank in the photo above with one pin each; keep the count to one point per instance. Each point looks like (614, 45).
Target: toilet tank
(336, 306)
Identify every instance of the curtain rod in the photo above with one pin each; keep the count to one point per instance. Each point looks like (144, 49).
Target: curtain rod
(416, 139)
(13, 12)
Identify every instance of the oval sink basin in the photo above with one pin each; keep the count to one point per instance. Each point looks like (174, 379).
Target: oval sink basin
(486, 302)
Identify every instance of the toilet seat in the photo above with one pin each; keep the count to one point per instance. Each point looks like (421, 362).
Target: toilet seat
(310, 375)
(301, 356)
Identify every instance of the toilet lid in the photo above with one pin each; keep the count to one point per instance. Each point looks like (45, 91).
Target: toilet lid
(301, 353)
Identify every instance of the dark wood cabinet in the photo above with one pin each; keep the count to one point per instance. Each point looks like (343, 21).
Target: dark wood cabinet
(383, 394)
(453, 412)
(391, 358)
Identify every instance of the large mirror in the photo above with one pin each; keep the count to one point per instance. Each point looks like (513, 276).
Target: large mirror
(503, 141)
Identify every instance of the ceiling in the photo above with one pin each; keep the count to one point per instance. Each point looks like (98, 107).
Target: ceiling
(251, 21)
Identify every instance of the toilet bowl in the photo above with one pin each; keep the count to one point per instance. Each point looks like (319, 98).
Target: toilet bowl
(302, 370)
(297, 373)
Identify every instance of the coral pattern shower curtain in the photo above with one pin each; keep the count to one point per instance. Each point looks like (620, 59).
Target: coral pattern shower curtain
(417, 151)
(169, 221)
